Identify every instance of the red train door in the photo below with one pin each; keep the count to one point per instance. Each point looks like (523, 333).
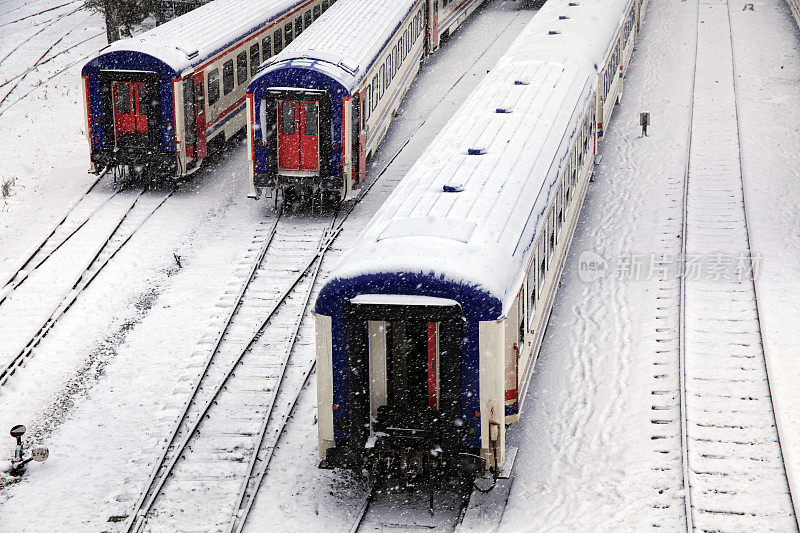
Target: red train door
(141, 93)
(131, 106)
(298, 135)
(124, 114)
(433, 370)
(288, 135)
(309, 136)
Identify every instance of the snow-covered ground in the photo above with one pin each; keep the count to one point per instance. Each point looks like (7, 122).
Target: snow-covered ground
(103, 389)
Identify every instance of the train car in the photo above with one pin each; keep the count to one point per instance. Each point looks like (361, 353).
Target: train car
(318, 110)
(794, 7)
(428, 329)
(159, 99)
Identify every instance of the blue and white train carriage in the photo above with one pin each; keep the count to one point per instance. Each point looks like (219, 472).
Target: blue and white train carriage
(320, 108)
(159, 98)
(428, 329)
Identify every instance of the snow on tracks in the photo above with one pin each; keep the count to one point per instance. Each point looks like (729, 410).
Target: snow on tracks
(32, 304)
(217, 445)
(733, 465)
(36, 50)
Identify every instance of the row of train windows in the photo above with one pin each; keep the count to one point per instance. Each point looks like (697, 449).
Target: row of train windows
(629, 23)
(280, 39)
(611, 68)
(555, 219)
(388, 70)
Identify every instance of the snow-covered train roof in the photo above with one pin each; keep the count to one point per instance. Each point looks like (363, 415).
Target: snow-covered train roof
(345, 40)
(482, 236)
(573, 31)
(194, 37)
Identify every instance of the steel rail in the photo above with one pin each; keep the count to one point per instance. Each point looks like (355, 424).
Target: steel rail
(254, 476)
(77, 288)
(139, 519)
(686, 479)
(16, 280)
(752, 267)
(148, 495)
(32, 253)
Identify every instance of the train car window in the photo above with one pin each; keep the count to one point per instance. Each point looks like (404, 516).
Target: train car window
(324, 5)
(287, 118)
(278, 40)
(397, 58)
(287, 29)
(298, 26)
(575, 153)
(551, 240)
(254, 59)
(199, 94)
(123, 98)
(144, 99)
(365, 111)
(309, 18)
(241, 67)
(189, 111)
(266, 48)
(317, 12)
(532, 291)
(520, 319)
(542, 272)
(568, 191)
(213, 86)
(310, 112)
(227, 76)
(374, 93)
(382, 81)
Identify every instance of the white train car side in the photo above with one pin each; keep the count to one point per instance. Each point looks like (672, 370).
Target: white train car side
(429, 328)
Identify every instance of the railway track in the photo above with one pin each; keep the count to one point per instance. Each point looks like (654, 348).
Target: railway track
(73, 220)
(34, 300)
(732, 466)
(35, 14)
(46, 61)
(221, 445)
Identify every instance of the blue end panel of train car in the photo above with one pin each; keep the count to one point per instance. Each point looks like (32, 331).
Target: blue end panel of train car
(301, 77)
(136, 62)
(476, 304)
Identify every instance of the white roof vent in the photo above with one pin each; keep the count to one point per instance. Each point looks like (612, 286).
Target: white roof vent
(190, 52)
